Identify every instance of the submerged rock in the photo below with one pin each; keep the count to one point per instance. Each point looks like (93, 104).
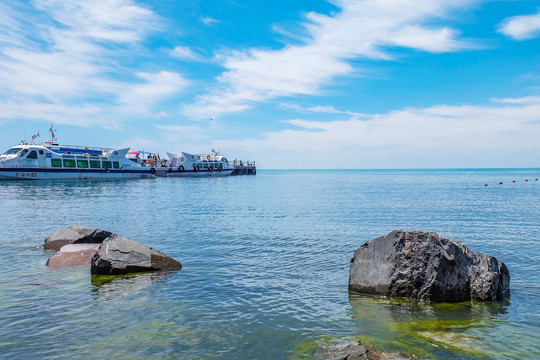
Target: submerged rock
(353, 350)
(73, 255)
(423, 266)
(75, 234)
(121, 255)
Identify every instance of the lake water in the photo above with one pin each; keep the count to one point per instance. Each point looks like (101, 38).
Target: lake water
(265, 265)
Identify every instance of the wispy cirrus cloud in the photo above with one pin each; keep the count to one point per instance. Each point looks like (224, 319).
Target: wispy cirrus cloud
(184, 52)
(326, 109)
(521, 27)
(70, 56)
(209, 21)
(361, 29)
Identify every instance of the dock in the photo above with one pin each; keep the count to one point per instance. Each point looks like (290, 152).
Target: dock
(244, 168)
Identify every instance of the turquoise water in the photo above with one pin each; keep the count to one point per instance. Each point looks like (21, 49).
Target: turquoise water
(265, 265)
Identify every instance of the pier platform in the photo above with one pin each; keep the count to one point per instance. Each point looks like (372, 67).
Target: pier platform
(244, 168)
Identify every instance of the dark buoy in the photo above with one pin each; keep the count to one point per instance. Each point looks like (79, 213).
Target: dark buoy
(485, 184)
(513, 180)
(500, 182)
(526, 180)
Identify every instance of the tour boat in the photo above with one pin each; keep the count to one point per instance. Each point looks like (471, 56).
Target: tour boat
(51, 161)
(190, 165)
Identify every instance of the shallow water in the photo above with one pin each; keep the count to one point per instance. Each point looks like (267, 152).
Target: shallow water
(265, 265)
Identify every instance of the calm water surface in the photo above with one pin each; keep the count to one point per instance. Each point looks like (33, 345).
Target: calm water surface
(265, 265)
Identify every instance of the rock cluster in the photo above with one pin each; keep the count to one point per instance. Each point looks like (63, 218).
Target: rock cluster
(105, 252)
(426, 267)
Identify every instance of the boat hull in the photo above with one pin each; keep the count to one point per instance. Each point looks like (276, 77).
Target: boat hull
(192, 173)
(71, 174)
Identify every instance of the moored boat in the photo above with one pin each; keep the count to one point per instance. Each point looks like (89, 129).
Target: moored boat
(191, 165)
(51, 161)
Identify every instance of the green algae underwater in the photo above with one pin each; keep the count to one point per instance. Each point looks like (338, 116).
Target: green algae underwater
(427, 331)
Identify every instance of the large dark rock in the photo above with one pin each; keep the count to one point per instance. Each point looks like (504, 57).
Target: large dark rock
(423, 266)
(354, 350)
(121, 255)
(75, 234)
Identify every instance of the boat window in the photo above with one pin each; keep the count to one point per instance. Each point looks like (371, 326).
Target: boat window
(82, 163)
(95, 164)
(199, 165)
(40, 152)
(12, 151)
(205, 165)
(116, 165)
(56, 163)
(69, 163)
(23, 152)
(106, 164)
(32, 155)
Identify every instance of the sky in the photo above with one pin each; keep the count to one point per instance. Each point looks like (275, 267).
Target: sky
(338, 84)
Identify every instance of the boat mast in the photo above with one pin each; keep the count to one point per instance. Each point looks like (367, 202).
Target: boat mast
(53, 136)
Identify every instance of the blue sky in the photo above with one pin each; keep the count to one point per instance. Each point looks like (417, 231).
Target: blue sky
(290, 84)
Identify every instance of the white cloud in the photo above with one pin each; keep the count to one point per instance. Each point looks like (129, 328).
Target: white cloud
(521, 27)
(209, 21)
(523, 100)
(155, 87)
(184, 52)
(362, 29)
(102, 20)
(63, 55)
(83, 115)
(328, 109)
(441, 136)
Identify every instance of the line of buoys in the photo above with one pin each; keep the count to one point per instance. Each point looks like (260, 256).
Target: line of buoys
(526, 180)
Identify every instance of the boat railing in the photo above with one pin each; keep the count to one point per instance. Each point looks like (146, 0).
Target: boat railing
(79, 147)
(205, 157)
(236, 162)
(151, 163)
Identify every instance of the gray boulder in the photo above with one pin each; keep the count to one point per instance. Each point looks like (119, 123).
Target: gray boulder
(353, 350)
(75, 234)
(423, 266)
(121, 255)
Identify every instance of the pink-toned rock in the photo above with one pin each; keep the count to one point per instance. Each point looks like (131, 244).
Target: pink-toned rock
(73, 255)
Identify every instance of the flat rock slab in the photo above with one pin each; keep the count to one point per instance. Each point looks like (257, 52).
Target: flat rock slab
(73, 255)
(354, 350)
(75, 234)
(423, 266)
(121, 255)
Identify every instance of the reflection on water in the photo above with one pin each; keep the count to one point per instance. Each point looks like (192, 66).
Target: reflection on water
(445, 330)
(108, 286)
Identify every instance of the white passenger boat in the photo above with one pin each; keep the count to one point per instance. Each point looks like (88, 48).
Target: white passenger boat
(190, 165)
(51, 161)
